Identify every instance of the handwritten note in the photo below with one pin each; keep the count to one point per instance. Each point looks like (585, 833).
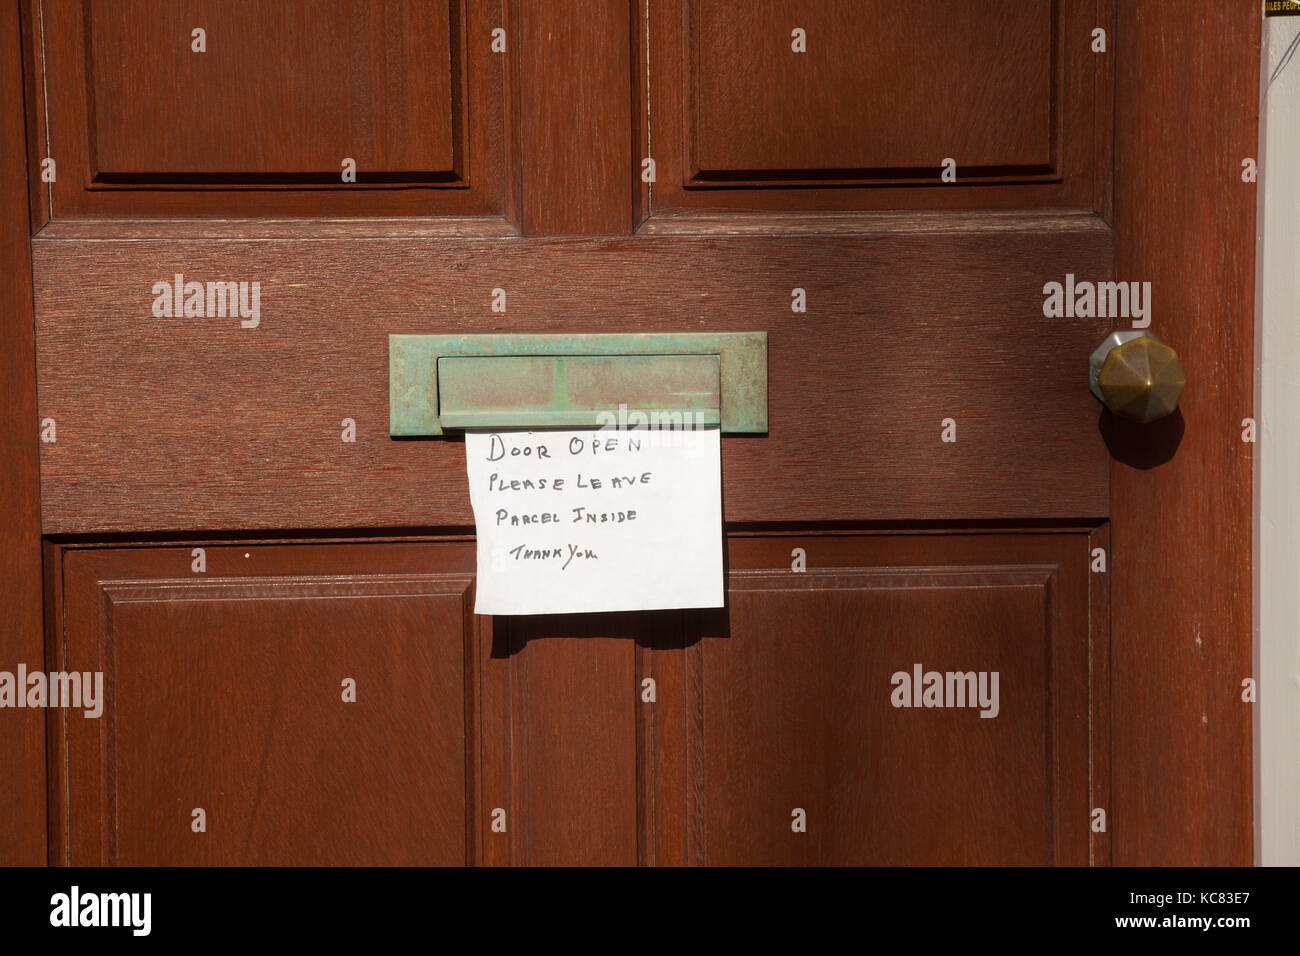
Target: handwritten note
(596, 520)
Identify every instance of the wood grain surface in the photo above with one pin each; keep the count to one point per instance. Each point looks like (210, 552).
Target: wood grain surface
(192, 423)
(1181, 531)
(572, 109)
(775, 171)
(223, 693)
(788, 697)
(883, 93)
(22, 732)
(260, 123)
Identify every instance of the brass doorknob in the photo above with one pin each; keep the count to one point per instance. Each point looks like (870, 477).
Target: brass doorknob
(1136, 375)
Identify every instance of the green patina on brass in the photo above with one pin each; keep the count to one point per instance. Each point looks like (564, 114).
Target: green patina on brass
(436, 382)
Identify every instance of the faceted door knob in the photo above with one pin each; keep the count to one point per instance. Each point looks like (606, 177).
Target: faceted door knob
(1136, 375)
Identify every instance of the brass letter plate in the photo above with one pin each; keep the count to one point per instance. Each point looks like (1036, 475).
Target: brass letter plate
(438, 382)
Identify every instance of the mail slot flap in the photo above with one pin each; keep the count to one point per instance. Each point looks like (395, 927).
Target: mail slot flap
(498, 391)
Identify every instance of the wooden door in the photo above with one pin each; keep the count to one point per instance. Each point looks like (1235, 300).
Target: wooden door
(279, 596)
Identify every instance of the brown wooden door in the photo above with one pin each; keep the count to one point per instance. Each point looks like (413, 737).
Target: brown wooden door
(280, 596)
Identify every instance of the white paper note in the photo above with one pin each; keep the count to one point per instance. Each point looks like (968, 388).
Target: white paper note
(596, 519)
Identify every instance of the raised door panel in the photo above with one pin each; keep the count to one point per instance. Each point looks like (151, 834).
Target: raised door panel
(759, 111)
(799, 713)
(263, 118)
(225, 692)
(816, 104)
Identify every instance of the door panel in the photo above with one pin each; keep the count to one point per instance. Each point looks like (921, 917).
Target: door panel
(586, 739)
(881, 94)
(800, 706)
(908, 326)
(225, 692)
(746, 87)
(261, 121)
